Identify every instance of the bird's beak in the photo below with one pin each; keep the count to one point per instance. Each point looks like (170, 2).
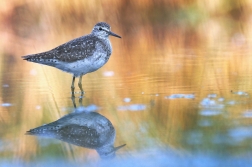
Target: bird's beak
(117, 148)
(113, 34)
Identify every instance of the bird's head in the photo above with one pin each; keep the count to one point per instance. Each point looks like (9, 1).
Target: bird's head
(103, 30)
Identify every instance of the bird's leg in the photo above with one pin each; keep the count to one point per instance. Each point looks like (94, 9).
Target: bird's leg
(80, 101)
(73, 100)
(72, 87)
(80, 85)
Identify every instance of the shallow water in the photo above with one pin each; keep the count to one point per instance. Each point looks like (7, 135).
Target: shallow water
(173, 102)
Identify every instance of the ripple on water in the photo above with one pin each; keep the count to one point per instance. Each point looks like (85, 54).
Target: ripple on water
(211, 103)
(209, 112)
(126, 99)
(240, 93)
(240, 134)
(213, 95)
(195, 138)
(179, 96)
(6, 104)
(211, 106)
(205, 123)
(132, 107)
(90, 108)
(247, 114)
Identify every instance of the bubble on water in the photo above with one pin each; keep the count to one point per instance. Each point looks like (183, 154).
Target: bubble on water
(179, 96)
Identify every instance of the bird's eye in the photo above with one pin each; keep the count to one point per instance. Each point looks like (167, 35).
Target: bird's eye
(100, 28)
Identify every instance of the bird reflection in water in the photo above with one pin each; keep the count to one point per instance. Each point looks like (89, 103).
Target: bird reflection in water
(83, 128)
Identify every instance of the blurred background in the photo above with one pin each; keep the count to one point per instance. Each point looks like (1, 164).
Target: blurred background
(176, 88)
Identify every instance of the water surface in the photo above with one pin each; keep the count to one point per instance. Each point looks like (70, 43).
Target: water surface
(178, 93)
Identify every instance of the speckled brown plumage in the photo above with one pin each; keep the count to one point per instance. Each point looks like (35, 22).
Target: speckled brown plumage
(81, 55)
(74, 50)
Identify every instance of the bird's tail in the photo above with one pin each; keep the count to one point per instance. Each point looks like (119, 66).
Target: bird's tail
(27, 57)
(41, 58)
(33, 57)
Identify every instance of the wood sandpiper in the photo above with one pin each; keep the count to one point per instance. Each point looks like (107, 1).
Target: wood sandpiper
(81, 55)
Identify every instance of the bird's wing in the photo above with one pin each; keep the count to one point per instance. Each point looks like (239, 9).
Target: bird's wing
(71, 51)
(80, 135)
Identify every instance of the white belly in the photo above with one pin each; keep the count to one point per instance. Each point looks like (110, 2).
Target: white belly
(87, 65)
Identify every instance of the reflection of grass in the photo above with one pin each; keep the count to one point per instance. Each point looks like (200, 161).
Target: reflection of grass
(167, 48)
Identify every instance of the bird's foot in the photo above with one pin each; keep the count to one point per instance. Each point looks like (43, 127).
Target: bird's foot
(82, 94)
